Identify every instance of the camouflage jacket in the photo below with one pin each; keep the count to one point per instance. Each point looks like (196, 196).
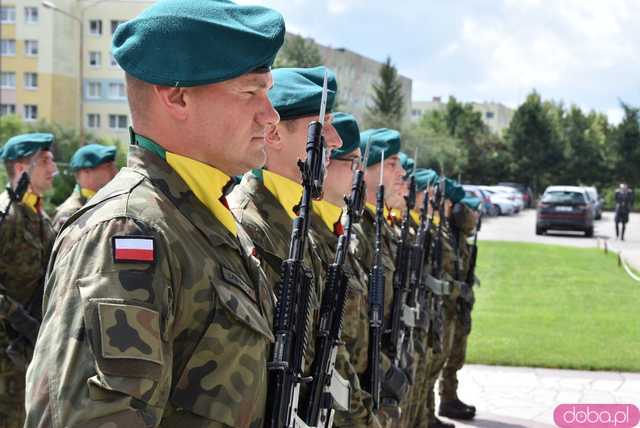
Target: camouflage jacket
(73, 203)
(269, 226)
(26, 239)
(182, 339)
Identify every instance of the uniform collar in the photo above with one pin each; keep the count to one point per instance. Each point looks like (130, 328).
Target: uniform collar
(32, 201)
(285, 190)
(207, 183)
(330, 215)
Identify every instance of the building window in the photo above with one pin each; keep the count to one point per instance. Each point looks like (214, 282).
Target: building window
(6, 109)
(8, 47)
(8, 80)
(94, 90)
(93, 120)
(30, 112)
(7, 16)
(118, 121)
(31, 47)
(489, 115)
(95, 27)
(116, 91)
(114, 25)
(31, 15)
(112, 61)
(31, 80)
(95, 59)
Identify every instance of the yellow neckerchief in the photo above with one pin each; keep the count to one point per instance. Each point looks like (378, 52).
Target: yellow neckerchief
(328, 212)
(31, 200)
(371, 207)
(285, 190)
(207, 183)
(415, 215)
(436, 218)
(392, 214)
(87, 193)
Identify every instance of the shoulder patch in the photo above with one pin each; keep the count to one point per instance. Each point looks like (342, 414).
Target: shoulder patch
(133, 249)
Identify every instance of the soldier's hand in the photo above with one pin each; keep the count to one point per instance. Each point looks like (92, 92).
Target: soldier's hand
(395, 384)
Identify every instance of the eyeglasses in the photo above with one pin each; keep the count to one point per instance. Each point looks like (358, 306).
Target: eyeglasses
(355, 162)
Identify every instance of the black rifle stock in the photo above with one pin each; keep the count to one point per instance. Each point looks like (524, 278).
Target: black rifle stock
(286, 367)
(16, 195)
(435, 305)
(400, 327)
(372, 379)
(319, 411)
(420, 253)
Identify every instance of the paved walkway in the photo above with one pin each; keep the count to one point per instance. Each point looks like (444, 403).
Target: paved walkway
(521, 397)
(521, 228)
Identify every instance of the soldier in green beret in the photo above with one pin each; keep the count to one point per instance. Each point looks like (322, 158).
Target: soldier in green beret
(26, 238)
(93, 166)
(465, 217)
(156, 311)
(382, 142)
(265, 199)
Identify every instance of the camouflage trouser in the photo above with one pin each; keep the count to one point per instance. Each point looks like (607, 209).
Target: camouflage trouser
(12, 385)
(448, 384)
(418, 392)
(435, 363)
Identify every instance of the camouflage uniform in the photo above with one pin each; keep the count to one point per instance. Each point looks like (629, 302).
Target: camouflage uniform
(73, 203)
(26, 239)
(448, 383)
(269, 225)
(182, 340)
(364, 233)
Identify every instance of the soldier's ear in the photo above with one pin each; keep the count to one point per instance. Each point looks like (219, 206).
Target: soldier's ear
(174, 100)
(272, 137)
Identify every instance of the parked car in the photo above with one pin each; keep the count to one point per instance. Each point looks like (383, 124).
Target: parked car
(486, 208)
(597, 202)
(512, 194)
(565, 208)
(527, 194)
(501, 202)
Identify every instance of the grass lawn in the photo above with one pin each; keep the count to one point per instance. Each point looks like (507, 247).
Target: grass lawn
(552, 306)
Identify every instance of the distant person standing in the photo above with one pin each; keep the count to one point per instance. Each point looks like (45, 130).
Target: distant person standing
(624, 203)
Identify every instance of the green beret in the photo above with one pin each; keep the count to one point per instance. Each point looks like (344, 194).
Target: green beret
(91, 156)
(472, 202)
(406, 162)
(381, 139)
(25, 145)
(297, 92)
(197, 42)
(425, 178)
(453, 191)
(347, 128)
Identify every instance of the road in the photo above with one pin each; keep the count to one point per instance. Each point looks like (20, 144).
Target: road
(521, 228)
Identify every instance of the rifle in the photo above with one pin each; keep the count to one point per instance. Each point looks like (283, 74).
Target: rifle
(420, 253)
(319, 411)
(286, 368)
(471, 272)
(435, 304)
(371, 376)
(402, 318)
(16, 195)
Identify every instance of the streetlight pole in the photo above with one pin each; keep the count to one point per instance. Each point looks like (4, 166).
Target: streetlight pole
(50, 5)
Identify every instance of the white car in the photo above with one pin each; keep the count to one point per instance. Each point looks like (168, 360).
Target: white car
(501, 202)
(513, 195)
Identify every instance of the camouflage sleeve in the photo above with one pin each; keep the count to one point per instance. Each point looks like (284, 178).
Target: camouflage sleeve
(103, 355)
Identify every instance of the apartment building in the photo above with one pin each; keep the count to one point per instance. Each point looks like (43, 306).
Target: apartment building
(56, 63)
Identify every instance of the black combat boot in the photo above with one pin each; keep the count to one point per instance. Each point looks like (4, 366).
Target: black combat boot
(456, 409)
(437, 423)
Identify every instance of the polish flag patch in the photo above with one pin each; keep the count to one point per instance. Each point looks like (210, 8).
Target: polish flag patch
(133, 249)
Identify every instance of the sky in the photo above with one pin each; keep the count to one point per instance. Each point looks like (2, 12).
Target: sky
(582, 52)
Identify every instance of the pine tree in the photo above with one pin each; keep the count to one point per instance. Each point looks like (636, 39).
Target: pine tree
(388, 102)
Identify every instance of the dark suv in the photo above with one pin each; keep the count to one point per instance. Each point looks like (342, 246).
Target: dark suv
(565, 208)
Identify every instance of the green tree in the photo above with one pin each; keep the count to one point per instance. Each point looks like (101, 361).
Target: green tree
(536, 144)
(626, 143)
(298, 52)
(388, 102)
